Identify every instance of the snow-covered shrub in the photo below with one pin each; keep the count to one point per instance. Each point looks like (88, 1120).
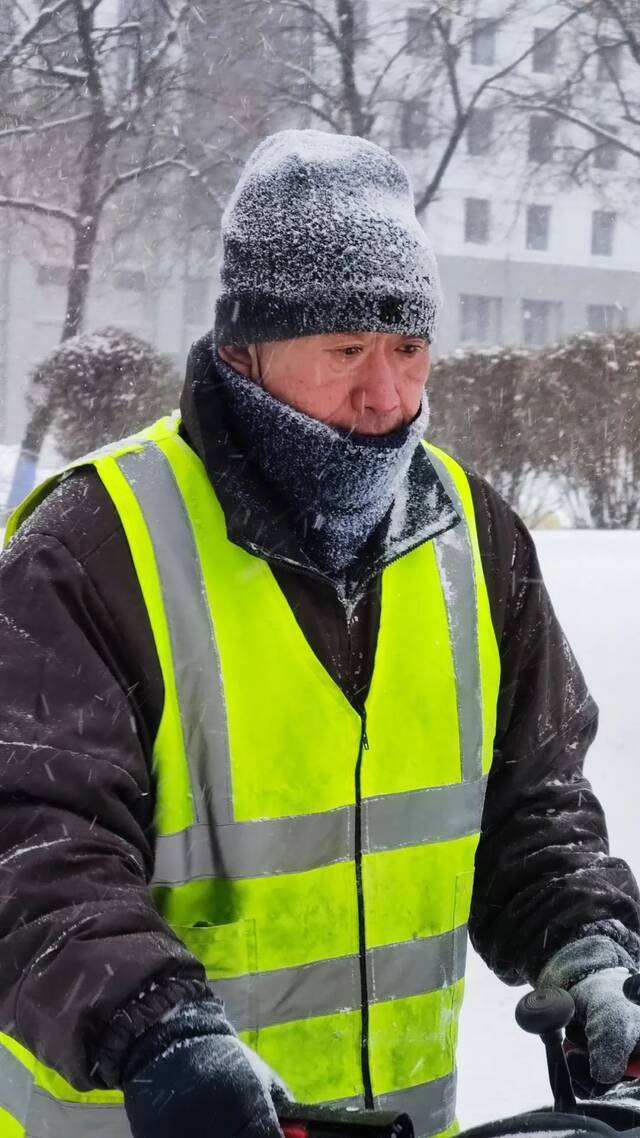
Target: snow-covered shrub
(554, 430)
(591, 388)
(100, 386)
(482, 411)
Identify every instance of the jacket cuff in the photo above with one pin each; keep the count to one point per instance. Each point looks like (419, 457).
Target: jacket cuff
(597, 946)
(626, 938)
(134, 1019)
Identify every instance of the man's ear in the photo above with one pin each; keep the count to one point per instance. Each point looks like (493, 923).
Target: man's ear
(238, 356)
(244, 358)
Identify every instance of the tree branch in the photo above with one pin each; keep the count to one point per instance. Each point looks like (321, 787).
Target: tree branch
(166, 42)
(41, 208)
(30, 32)
(40, 128)
(175, 161)
(551, 108)
(55, 71)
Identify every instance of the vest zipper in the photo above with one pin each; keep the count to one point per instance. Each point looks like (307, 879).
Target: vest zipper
(362, 941)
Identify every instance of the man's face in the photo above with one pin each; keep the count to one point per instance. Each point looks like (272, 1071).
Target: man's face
(369, 382)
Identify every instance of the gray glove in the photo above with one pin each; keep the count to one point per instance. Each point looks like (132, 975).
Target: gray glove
(593, 971)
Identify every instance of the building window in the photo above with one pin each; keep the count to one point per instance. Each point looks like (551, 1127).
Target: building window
(602, 231)
(196, 300)
(481, 319)
(538, 218)
(418, 37)
(476, 220)
(480, 131)
(483, 42)
(414, 125)
(53, 276)
(541, 135)
(605, 155)
(545, 50)
(541, 322)
(609, 63)
(606, 317)
(129, 280)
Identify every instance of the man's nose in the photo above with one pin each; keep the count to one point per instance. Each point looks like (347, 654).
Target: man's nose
(378, 388)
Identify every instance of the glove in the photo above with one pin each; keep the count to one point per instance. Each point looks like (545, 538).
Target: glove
(593, 971)
(189, 1076)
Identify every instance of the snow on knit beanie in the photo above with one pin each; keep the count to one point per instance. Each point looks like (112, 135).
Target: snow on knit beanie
(321, 235)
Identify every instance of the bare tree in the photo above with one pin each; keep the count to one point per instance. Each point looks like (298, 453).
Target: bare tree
(93, 123)
(85, 89)
(115, 112)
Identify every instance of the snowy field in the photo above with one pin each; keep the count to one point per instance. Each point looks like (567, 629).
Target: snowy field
(594, 580)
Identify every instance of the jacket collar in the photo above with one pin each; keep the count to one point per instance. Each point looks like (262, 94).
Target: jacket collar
(261, 522)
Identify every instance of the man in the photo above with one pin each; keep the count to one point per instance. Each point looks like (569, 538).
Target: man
(286, 708)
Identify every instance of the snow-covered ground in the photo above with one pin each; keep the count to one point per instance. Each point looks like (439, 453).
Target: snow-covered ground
(49, 462)
(594, 580)
(8, 456)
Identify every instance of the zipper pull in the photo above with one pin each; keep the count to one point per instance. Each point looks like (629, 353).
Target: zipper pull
(365, 738)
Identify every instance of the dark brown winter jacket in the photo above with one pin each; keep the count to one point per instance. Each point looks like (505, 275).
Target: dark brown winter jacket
(85, 960)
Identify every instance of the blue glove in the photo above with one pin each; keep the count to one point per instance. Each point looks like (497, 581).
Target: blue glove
(593, 971)
(190, 1076)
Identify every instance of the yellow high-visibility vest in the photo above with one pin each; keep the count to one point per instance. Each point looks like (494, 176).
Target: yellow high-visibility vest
(319, 863)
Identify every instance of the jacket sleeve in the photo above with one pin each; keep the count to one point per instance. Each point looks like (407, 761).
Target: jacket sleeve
(80, 936)
(543, 868)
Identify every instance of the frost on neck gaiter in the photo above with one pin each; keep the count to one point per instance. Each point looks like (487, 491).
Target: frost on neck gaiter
(340, 484)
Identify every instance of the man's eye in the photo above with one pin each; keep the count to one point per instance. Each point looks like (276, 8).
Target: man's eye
(352, 350)
(411, 349)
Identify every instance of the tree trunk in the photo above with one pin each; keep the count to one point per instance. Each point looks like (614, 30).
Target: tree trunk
(86, 231)
(359, 122)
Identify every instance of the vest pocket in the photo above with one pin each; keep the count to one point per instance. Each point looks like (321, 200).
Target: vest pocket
(228, 953)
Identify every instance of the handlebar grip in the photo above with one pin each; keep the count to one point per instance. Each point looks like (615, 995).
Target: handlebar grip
(631, 988)
(300, 1121)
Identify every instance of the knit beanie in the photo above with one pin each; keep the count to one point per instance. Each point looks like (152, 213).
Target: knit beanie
(321, 235)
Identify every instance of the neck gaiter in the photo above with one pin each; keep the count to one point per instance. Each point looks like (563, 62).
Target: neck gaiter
(341, 484)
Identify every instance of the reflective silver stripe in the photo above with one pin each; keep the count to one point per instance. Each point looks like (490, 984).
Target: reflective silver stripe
(454, 554)
(416, 817)
(288, 994)
(193, 646)
(260, 848)
(50, 1118)
(269, 846)
(44, 1116)
(15, 1085)
(395, 971)
(431, 1106)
